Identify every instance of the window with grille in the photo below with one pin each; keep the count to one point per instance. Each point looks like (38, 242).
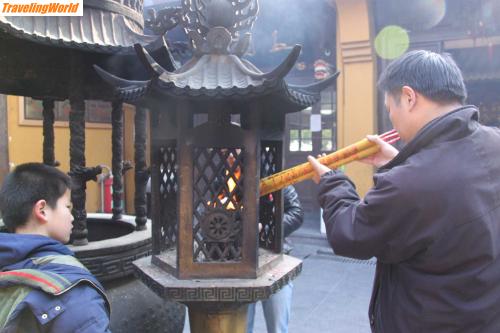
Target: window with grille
(299, 133)
(300, 136)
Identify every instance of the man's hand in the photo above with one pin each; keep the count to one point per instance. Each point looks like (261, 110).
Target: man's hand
(386, 153)
(319, 169)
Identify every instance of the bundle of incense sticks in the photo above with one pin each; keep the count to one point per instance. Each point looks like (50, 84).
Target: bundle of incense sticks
(354, 152)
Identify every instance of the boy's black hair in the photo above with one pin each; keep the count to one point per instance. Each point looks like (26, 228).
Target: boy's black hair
(26, 185)
(436, 76)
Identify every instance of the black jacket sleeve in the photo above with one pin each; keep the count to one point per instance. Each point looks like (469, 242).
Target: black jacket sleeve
(293, 214)
(384, 224)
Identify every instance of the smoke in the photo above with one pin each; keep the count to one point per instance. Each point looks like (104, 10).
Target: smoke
(158, 2)
(310, 23)
(280, 25)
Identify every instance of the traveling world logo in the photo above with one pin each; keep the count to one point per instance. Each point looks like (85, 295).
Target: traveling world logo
(41, 8)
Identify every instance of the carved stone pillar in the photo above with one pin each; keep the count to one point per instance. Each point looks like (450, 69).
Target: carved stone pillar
(77, 162)
(48, 132)
(117, 158)
(141, 172)
(77, 150)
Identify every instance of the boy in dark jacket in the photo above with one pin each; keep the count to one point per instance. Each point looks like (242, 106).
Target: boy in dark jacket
(43, 287)
(432, 219)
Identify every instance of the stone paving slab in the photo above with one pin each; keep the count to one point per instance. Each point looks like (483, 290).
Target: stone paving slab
(331, 296)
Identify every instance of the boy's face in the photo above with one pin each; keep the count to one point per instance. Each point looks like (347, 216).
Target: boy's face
(59, 219)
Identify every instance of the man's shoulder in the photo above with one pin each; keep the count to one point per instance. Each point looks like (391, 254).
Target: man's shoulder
(397, 174)
(410, 178)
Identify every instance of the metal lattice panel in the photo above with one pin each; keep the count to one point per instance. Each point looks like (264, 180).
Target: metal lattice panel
(268, 204)
(217, 204)
(168, 197)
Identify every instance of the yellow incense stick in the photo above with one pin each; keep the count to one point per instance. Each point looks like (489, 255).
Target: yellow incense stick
(294, 175)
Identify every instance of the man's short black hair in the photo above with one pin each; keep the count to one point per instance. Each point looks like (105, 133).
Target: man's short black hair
(436, 76)
(26, 185)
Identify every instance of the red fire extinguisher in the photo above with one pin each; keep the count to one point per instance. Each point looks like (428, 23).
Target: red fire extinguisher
(108, 194)
(106, 181)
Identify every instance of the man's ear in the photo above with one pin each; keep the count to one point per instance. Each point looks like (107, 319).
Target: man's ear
(408, 96)
(39, 211)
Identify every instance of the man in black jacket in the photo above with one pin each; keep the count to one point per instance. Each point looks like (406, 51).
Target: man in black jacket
(432, 219)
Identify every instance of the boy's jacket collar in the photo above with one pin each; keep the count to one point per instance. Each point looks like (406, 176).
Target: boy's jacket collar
(14, 248)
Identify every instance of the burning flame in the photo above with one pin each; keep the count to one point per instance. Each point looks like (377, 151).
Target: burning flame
(231, 187)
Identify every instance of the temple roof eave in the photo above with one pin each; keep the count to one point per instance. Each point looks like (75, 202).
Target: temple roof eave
(96, 31)
(214, 71)
(220, 77)
(316, 87)
(291, 99)
(126, 90)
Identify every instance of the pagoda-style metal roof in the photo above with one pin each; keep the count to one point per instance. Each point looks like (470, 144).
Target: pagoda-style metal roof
(215, 71)
(218, 77)
(218, 70)
(107, 26)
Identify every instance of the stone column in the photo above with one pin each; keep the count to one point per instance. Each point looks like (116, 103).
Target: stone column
(141, 172)
(48, 132)
(77, 164)
(117, 158)
(77, 150)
